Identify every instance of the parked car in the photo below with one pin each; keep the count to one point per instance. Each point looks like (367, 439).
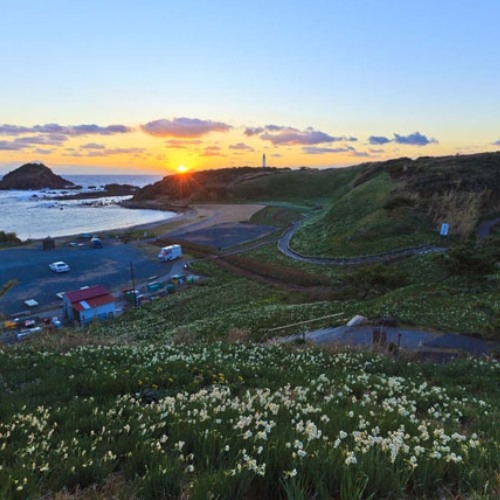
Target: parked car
(56, 322)
(59, 267)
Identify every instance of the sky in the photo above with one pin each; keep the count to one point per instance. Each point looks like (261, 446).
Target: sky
(106, 86)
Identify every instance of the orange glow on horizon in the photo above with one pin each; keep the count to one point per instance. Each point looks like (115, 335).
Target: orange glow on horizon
(182, 169)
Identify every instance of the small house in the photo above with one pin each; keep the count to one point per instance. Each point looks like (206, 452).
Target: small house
(87, 304)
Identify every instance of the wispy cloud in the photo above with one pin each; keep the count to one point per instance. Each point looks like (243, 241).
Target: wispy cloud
(241, 147)
(212, 151)
(66, 130)
(182, 143)
(92, 145)
(290, 136)
(183, 127)
(20, 143)
(10, 146)
(100, 153)
(314, 150)
(118, 151)
(41, 151)
(496, 143)
(250, 131)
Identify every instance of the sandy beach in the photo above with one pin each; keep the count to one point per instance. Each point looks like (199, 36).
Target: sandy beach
(205, 215)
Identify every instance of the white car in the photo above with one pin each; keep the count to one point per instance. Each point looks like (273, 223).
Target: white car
(59, 267)
(56, 322)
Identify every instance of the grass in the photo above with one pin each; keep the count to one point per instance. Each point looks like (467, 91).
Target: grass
(233, 421)
(358, 223)
(417, 290)
(183, 398)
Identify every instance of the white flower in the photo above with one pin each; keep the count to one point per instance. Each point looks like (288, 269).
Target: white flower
(290, 473)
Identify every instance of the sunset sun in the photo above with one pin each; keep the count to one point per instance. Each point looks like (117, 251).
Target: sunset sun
(182, 169)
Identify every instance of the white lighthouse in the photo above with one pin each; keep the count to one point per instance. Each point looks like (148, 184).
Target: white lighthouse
(264, 160)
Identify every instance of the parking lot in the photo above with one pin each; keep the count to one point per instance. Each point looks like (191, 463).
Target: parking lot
(110, 266)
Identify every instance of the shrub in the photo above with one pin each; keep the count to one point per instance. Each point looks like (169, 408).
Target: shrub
(468, 259)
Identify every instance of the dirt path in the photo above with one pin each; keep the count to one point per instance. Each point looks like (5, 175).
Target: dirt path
(204, 215)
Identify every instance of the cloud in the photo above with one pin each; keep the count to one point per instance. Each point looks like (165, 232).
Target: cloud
(20, 143)
(183, 127)
(65, 130)
(250, 131)
(361, 154)
(212, 151)
(92, 145)
(10, 146)
(293, 137)
(103, 152)
(241, 147)
(51, 140)
(117, 151)
(378, 140)
(43, 151)
(182, 144)
(415, 139)
(289, 136)
(496, 143)
(6, 129)
(314, 150)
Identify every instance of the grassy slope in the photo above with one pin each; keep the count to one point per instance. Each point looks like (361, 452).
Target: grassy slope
(235, 421)
(90, 402)
(310, 186)
(357, 222)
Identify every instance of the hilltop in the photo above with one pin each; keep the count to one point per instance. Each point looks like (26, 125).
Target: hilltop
(34, 176)
(408, 194)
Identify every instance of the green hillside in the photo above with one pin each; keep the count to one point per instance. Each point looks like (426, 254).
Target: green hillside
(249, 184)
(369, 208)
(189, 396)
(364, 220)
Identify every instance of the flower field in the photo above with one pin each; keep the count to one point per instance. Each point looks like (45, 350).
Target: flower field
(245, 421)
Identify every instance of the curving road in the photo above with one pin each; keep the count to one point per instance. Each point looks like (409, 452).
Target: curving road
(284, 248)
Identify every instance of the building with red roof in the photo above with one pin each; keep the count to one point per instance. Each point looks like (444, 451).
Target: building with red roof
(89, 303)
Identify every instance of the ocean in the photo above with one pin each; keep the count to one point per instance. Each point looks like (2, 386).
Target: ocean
(36, 215)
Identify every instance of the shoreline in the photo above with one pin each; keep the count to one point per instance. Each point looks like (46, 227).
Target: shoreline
(198, 215)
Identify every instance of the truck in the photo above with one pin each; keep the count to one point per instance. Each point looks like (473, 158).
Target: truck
(170, 253)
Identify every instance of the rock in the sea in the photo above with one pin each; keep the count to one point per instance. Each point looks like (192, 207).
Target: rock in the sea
(34, 176)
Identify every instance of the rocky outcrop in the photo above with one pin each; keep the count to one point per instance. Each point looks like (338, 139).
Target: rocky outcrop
(34, 176)
(120, 189)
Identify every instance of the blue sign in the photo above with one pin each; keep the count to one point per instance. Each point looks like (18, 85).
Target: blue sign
(444, 229)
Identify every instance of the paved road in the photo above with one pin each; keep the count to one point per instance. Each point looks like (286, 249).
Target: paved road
(484, 229)
(284, 248)
(222, 236)
(426, 343)
(108, 266)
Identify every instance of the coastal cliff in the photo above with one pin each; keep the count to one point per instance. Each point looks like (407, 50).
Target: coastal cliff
(34, 176)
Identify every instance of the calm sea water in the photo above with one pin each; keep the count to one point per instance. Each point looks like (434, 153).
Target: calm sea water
(35, 214)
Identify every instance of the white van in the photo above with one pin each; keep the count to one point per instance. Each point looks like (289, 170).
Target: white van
(170, 253)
